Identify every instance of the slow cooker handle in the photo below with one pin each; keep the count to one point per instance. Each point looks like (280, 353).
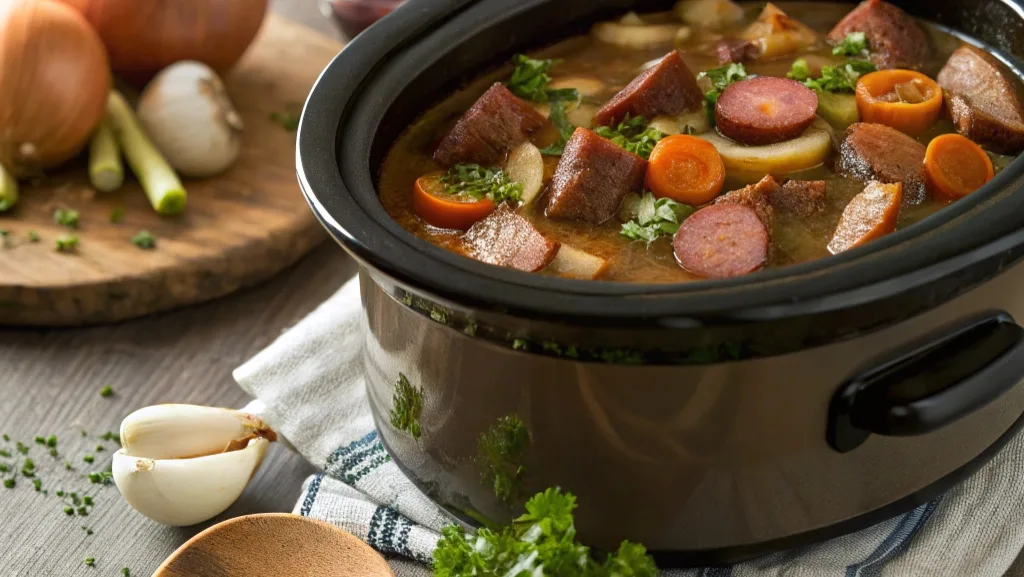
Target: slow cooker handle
(931, 383)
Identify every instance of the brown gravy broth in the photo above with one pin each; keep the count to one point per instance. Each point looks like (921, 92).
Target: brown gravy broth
(795, 240)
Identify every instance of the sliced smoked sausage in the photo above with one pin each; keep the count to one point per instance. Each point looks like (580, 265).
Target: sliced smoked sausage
(870, 215)
(894, 38)
(878, 152)
(985, 101)
(765, 110)
(722, 241)
(668, 87)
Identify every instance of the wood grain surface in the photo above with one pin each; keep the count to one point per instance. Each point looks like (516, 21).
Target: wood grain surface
(239, 228)
(274, 545)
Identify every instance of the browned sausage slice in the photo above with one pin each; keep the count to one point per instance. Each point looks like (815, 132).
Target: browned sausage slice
(878, 152)
(894, 37)
(870, 215)
(765, 110)
(722, 241)
(668, 87)
(497, 122)
(985, 101)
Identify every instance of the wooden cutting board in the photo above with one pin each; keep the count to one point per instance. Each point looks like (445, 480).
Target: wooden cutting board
(238, 229)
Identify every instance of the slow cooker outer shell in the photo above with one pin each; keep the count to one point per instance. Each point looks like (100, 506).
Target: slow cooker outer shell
(698, 460)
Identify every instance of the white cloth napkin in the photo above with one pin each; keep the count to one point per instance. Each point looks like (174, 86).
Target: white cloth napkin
(309, 386)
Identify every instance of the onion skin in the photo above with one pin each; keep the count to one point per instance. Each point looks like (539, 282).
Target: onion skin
(54, 81)
(145, 36)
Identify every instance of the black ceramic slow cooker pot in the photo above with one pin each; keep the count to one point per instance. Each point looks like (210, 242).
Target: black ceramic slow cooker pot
(711, 421)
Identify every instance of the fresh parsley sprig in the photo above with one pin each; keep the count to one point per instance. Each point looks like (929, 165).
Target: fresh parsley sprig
(478, 182)
(540, 542)
(530, 80)
(652, 218)
(720, 79)
(633, 134)
(842, 78)
(565, 128)
(855, 44)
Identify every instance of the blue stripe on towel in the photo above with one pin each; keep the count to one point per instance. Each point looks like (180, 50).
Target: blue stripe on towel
(895, 543)
(311, 493)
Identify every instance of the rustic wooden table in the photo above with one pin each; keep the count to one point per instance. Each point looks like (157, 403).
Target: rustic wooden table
(50, 382)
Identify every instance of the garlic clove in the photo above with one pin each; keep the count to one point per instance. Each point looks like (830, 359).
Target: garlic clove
(176, 431)
(182, 492)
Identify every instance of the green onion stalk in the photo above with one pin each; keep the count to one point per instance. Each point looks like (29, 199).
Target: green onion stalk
(158, 179)
(106, 172)
(8, 190)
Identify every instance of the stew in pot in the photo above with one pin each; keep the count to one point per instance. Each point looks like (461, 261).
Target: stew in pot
(711, 141)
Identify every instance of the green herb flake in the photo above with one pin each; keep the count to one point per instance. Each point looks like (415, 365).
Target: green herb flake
(111, 436)
(100, 448)
(408, 405)
(89, 459)
(530, 80)
(855, 44)
(125, 572)
(37, 484)
(60, 493)
(83, 512)
(54, 453)
(559, 120)
(799, 71)
(501, 449)
(289, 120)
(67, 466)
(653, 218)
(107, 391)
(69, 510)
(21, 447)
(144, 240)
(102, 478)
(67, 243)
(90, 562)
(51, 441)
(634, 135)
(520, 345)
(7, 438)
(66, 217)
(842, 78)
(540, 542)
(33, 236)
(87, 530)
(10, 483)
(87, 500)
(720, 79)
(476, 182)
(5, 468)
(117, 214)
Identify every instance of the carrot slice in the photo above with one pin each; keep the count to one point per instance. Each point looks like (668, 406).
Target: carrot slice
(871, 214)
(434, 205)
(903, 99)
(686, 169)
(954, 166)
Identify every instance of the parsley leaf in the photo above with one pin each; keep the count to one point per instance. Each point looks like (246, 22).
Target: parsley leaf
(720, 79)
(144, 240)
(67, 243)
(66, 216)
(530, 80)
(540, 542)
(478, 182)
(799, 71)
(651, 218)
(842, 78)
(408, 401)
(855, 44)
(633, 134)
(565, 128)
(501, 449)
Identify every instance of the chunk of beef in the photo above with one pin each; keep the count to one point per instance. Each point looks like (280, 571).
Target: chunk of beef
(756, 196)
(728, 51)
(498, 121)
(506, 238)
(668, 87)
(800, 197)
(984, 100)
(592, 178)
(895, 39)
(878, 152)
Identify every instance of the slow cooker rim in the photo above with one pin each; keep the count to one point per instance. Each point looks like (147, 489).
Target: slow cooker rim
(369, 233)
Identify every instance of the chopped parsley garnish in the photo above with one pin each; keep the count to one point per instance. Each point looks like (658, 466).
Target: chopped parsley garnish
(289, 119)
(125, 572)
(634, 135)
(408, 401)
(530, 80)
(653, 218)
(842, 78)
(144, 240)
(33, 236)
(66, 217)
(117, 214)
(720, 79)
(102, 478)
(37, 484)
(540, 542)
(855, 44)
(69, 510)
(501, 449)
(10, 483)
(520, 345)
(67, 243)
(22, 447)
(89, 459)
(107, 391)
(565, 128)
(478, 182)
(87, 530)
(90, 562)
(111, 436)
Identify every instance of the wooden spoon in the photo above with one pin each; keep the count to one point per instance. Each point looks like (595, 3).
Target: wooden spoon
(274, 545)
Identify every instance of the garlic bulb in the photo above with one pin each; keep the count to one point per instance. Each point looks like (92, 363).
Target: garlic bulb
(186, 112)
(184, 464)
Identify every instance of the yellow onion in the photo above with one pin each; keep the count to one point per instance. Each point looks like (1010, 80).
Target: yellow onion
(54, 81)
(145, 36)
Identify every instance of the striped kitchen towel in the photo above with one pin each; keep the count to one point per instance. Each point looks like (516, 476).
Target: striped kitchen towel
(309, 386)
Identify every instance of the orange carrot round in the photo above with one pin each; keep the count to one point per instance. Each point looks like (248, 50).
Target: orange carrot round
(440, 209)
(954, 166)
(903, 99)
(686, 169)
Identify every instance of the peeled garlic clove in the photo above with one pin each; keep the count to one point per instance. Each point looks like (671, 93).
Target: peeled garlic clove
(187, 114)
(182, 492)
(181, 431)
